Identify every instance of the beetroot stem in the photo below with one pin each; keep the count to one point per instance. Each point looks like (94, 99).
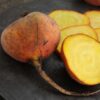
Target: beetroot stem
(43, 74)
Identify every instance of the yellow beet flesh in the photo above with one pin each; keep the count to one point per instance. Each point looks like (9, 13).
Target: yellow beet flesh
(84, 29)
(98, 33)
(94, 17)
(66, 18)
(81, 55)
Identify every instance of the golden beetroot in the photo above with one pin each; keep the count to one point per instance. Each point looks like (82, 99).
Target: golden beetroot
(30, 37)
(82, 58)
(94, 17)
(67, 18)
(84, 29)
(33, 38)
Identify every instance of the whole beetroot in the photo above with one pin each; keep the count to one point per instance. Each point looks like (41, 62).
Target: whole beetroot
(32, 38)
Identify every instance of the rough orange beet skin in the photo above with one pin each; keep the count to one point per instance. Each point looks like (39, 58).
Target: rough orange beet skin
(30, 37)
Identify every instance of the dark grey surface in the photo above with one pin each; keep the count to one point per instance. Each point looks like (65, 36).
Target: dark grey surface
(20, 81)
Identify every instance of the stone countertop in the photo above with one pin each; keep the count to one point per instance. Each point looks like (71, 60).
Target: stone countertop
(5, 4)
